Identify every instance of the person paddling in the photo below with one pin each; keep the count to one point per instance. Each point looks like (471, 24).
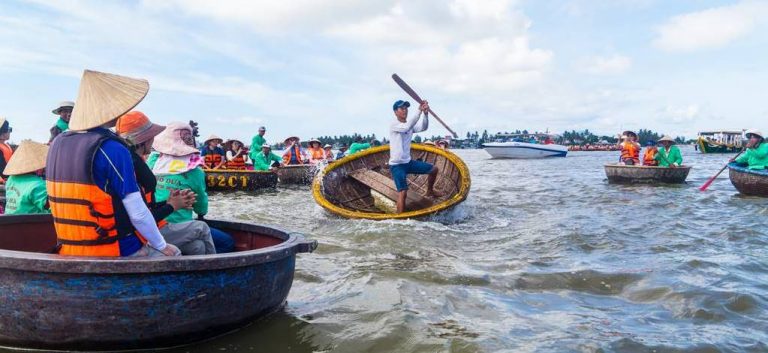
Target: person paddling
(266, 160)
(756, 155)
(64, 111)
(400, 162)
(25, 189)
(669, 155)
(97, 205)
(257, 141)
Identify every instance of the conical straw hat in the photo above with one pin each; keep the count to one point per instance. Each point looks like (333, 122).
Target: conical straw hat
(105, 97)
(29, 157)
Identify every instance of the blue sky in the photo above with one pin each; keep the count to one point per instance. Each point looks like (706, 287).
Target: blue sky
(321, 67)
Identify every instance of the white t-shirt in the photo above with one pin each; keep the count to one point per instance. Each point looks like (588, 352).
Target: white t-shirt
(400, 136)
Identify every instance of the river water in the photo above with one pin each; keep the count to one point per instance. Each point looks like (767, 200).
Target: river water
(544, 256)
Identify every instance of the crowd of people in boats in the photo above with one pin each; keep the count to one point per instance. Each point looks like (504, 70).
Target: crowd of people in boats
(755, 155)
(120, 185)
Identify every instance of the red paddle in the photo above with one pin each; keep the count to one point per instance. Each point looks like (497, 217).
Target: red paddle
(712, 179)
(418, 99)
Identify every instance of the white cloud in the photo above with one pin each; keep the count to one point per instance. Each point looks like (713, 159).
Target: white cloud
(710, 29)
(610, 65)
(680, 114)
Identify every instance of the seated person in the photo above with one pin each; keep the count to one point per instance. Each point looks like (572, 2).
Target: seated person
(669, 155)
(630, 149)
(25, 188)
(328, 153)
(177, 165)
(193, 237)
(649, 157)
(342, 151)
(755, 156)
(443, 144)
(214, 156)
(266, 160)
(316, 152)
(5, 149)
(237, 155)
(294, 154)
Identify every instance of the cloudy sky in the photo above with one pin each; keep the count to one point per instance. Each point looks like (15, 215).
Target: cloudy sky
(322, 67)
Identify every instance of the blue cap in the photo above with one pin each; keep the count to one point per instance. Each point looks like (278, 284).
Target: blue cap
(400, 103)
(650, 143)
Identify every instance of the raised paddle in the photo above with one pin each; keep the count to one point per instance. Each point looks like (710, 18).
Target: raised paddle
(418, 99)
(712, 179)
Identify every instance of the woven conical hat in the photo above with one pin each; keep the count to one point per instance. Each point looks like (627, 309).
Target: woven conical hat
(29, 157)
(105, 97)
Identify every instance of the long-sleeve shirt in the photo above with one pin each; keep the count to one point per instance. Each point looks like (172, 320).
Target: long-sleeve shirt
(264, 162)
(256, 144)
(400, 136)
(191, 180)
(755, 158)
(666, 157)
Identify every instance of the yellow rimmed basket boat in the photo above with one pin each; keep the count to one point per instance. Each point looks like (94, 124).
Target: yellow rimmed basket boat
(239, 180)
(633, 174)
(360, 186)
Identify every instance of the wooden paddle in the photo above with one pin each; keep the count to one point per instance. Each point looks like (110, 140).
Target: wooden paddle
(418, 99)
(712, 179)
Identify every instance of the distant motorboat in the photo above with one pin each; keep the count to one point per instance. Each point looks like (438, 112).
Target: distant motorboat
(524, 150)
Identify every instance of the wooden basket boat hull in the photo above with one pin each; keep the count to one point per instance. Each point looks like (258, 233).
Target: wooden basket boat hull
(749, 182)
(79, 303)
(621, 174)
(340, 194)
(296, 174)
(239, 180)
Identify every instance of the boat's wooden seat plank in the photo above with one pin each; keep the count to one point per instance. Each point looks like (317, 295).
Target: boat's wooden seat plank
(386, 187)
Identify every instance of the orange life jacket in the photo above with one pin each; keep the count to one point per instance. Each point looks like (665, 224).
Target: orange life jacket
(88, 220)
(629, 150)
(649, 158)
(7, 152)
(295, 150)
(237, 163)
(212, 159)
(317, 153)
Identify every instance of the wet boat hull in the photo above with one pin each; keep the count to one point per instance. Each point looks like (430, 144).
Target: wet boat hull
(749, 182)
(239, 180)
(621, 174)
(705, 146)
(296, 174)
(76, 303)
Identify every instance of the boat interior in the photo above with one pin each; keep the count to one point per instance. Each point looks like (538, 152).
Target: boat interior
(365, 184)
(35, 233)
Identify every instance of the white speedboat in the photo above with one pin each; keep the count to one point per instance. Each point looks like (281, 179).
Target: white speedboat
(524, 150)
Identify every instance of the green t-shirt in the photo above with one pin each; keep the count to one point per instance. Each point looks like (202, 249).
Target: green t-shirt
(665, 158)
(755, 158)
(193, 180)
(357, 147)
(262, 162)
(25, 194)
(256, 144)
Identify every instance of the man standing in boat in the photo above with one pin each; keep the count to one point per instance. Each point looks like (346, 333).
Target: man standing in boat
(400, 162)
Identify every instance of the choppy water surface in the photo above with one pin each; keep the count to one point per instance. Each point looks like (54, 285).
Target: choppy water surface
(544, 256)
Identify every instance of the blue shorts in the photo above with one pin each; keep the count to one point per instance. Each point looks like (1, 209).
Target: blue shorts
(401, 171)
